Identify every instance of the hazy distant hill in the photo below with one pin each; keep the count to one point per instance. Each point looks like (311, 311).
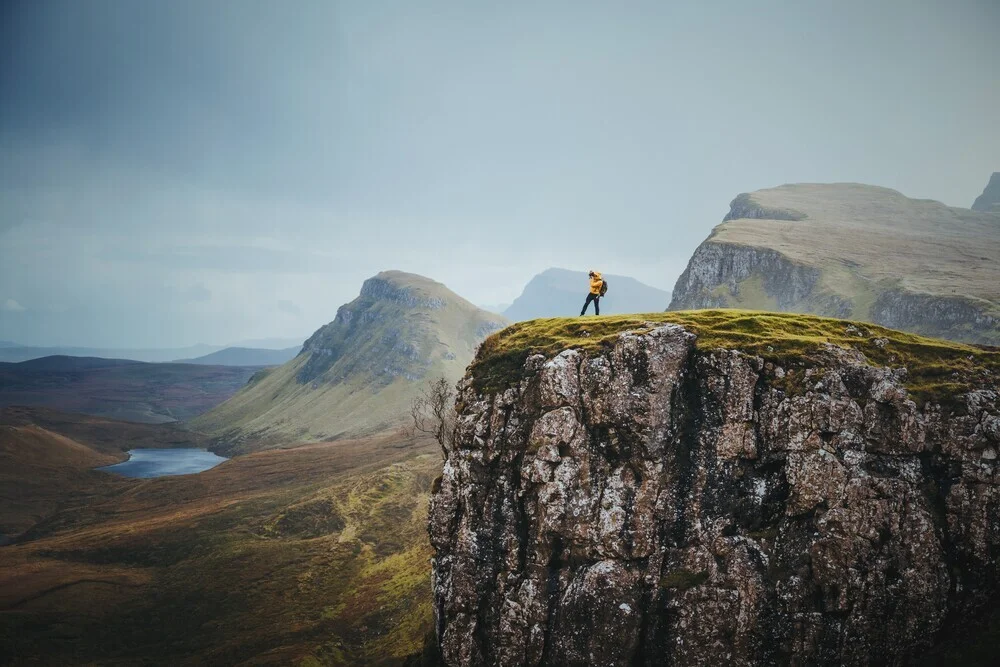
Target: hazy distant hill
(560, 292)
(855, 251)
(245, 356)
(359, 373)
(14, 352)
(122, 389)
(990, 199)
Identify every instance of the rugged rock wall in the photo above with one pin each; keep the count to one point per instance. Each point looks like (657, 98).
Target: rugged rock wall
(728, 265)
(848, 259)
(657, 504)
(932, 315)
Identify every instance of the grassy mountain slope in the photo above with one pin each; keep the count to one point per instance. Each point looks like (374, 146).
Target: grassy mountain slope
(358, 374)
(856, 251)
(560, 292)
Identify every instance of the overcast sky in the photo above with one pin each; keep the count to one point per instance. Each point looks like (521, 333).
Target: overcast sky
(208, 171)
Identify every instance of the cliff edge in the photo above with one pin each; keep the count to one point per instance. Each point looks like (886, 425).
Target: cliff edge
(716, 487)
(853, 251)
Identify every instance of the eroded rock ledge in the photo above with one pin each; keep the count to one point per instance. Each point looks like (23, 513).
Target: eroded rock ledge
(656, 503)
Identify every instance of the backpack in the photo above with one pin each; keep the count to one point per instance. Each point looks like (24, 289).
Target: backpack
(604, 287)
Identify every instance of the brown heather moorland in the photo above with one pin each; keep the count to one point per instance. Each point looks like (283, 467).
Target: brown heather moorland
(311, 555)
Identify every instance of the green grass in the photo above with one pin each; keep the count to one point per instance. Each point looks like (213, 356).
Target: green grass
(936, 369)
(360, 373)
(313, 555)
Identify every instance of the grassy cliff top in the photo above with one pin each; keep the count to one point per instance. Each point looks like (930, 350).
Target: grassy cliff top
(877, 233)
(936, 369)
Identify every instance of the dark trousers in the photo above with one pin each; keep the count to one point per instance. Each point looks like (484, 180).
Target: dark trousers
(597, 304)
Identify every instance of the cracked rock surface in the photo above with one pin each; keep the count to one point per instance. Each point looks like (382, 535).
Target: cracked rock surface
(658, 504)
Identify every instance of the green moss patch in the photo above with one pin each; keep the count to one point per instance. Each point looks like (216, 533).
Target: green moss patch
(683, 579)
(936, 369)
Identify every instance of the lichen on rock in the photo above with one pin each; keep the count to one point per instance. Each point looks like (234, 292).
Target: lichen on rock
(653, 500)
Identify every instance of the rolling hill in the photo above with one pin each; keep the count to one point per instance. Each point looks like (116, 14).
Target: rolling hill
(853, 251)
(121, 389)
(358, 374)
(14, 352)
(47, 459)
(560, 293)
(245, 356)
(312, 555)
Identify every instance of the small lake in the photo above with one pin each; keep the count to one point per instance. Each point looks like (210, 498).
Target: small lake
(163, 462)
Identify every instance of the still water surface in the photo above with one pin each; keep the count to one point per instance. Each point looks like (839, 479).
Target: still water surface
(162, 462)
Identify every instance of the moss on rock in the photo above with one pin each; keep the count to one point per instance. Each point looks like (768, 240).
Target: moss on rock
(936, 370)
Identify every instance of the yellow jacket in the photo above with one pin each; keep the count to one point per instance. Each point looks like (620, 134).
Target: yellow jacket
(595, 283)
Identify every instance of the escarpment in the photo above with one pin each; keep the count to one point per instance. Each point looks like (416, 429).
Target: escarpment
(854, 251)
(725, 489)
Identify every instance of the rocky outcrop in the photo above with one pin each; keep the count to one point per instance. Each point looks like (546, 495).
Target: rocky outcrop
(657, 503)
(727, 266)
(930, 314)
(847, 250)
(744, 207)
(989, 201)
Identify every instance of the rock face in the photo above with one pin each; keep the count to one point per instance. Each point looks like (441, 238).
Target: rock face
(656, 503)
(854, 251)
(990, 199)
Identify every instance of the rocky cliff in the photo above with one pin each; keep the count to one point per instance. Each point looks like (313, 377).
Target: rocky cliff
(853, 251)
(716, 488)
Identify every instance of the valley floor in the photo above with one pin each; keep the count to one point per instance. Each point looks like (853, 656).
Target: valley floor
(312, 555)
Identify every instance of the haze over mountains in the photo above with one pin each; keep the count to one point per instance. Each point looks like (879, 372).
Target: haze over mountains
(359, 373)
(561, 292)
(120, 388)
(853, 251)
(989, 201)
(15, 352)
(245, 356)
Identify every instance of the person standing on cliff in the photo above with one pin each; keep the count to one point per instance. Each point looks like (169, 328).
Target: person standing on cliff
(597, 289)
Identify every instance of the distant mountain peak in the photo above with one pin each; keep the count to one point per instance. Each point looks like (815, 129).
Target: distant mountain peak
(557, 292)
(989, 201)
(359, 373)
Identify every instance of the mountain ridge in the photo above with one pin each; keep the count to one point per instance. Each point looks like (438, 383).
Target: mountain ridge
(359, 373)
(853, 251)
(558, 292)
(245, 356)
(989, 200)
